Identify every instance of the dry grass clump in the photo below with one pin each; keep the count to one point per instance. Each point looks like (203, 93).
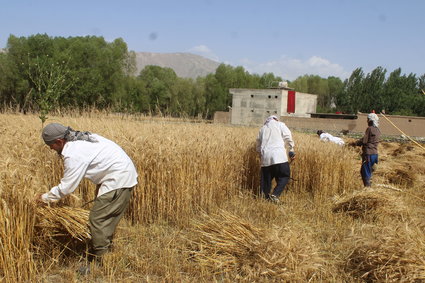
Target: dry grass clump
(235, 249)
(61, 226)
(390, 254)
(402, 176)
(372, 202)
(402, 149)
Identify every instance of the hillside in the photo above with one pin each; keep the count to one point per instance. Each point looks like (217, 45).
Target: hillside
(185, 65)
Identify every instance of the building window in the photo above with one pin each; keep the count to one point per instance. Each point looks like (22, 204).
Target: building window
(275, 112)
(252, 110)
(270, 96)
(252, 96)
(268, 111)
(275, 96)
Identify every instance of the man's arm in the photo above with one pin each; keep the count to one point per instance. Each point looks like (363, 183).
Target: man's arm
(287, 137)
(258, 142)
(73, 174)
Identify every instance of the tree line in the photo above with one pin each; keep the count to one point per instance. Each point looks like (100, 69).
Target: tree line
(41, 73)
(397, 93)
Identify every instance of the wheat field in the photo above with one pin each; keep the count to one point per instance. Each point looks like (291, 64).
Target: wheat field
(196, 216)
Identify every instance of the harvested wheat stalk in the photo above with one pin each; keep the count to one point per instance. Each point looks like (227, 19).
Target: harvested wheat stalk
(391, 254)
(65, 222)
(371, 202)
(225, 243)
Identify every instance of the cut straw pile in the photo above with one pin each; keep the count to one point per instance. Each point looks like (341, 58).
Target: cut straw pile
(64, 223)
(372, 202)
(391, 254)
(226, 244)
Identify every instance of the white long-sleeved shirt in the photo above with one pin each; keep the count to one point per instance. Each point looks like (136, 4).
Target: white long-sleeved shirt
(103, 162)
(330, 138)
(272, 139)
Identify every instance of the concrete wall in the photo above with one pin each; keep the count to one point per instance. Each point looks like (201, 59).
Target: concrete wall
(411, 126)
(253, 106)
(222, 117)
(304, 103)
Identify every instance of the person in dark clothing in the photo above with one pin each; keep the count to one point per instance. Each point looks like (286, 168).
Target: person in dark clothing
(369, 143)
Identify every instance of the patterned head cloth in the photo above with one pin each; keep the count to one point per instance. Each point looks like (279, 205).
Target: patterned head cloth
(55, 131)
(374, 118)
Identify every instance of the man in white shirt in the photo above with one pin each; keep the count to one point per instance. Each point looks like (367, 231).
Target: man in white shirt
(104, 163)
(272, 140)
(326, 137)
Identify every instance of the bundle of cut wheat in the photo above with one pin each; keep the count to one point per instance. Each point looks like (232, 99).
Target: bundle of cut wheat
(372, 202)
(67, 223)
(226, 244)
(391, 254)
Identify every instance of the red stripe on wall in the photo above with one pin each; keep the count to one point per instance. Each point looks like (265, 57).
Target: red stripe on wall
(291, 102)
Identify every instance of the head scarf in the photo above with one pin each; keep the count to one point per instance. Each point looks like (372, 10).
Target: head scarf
(270, 118)
(55, 131)
(374, 118)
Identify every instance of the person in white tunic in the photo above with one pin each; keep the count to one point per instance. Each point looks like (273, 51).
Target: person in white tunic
(326, 137)
(91, 156)
(272, 140)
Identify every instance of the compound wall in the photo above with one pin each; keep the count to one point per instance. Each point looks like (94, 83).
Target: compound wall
(411, 126)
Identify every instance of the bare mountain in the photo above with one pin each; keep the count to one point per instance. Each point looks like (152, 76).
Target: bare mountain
(185, 65)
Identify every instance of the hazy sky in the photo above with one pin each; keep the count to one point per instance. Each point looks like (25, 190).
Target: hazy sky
(288, 38)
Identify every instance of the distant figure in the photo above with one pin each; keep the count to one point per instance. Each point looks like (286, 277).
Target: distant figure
(272, 140)
(369, 144)
(326, 137)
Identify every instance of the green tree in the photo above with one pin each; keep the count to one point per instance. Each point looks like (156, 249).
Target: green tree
(373, 88)
(159, 86)
(13, 88)
(336, 87)
(399, 93)
(350, 98)
(50, 80)
(216, 95)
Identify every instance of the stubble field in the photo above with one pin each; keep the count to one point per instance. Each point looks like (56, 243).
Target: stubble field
(195, 215)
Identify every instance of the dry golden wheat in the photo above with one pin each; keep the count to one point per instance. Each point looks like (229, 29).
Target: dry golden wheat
(185, 169)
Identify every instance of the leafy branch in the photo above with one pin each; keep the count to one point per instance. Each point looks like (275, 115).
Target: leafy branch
(51, 79)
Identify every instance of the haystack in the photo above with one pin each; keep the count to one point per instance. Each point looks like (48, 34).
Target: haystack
(405, 177)
(225, 244)
(372, 202)
(390, 254)
(61, 225)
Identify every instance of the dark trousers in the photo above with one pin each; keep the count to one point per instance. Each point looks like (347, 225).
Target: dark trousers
(105, 214)
(366, 170)
(280, 172)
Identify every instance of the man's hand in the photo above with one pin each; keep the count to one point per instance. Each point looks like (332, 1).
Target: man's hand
(291, 155)
(39, 201)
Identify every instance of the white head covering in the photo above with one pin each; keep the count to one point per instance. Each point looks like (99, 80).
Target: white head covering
(374, 118)
(270, 118)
